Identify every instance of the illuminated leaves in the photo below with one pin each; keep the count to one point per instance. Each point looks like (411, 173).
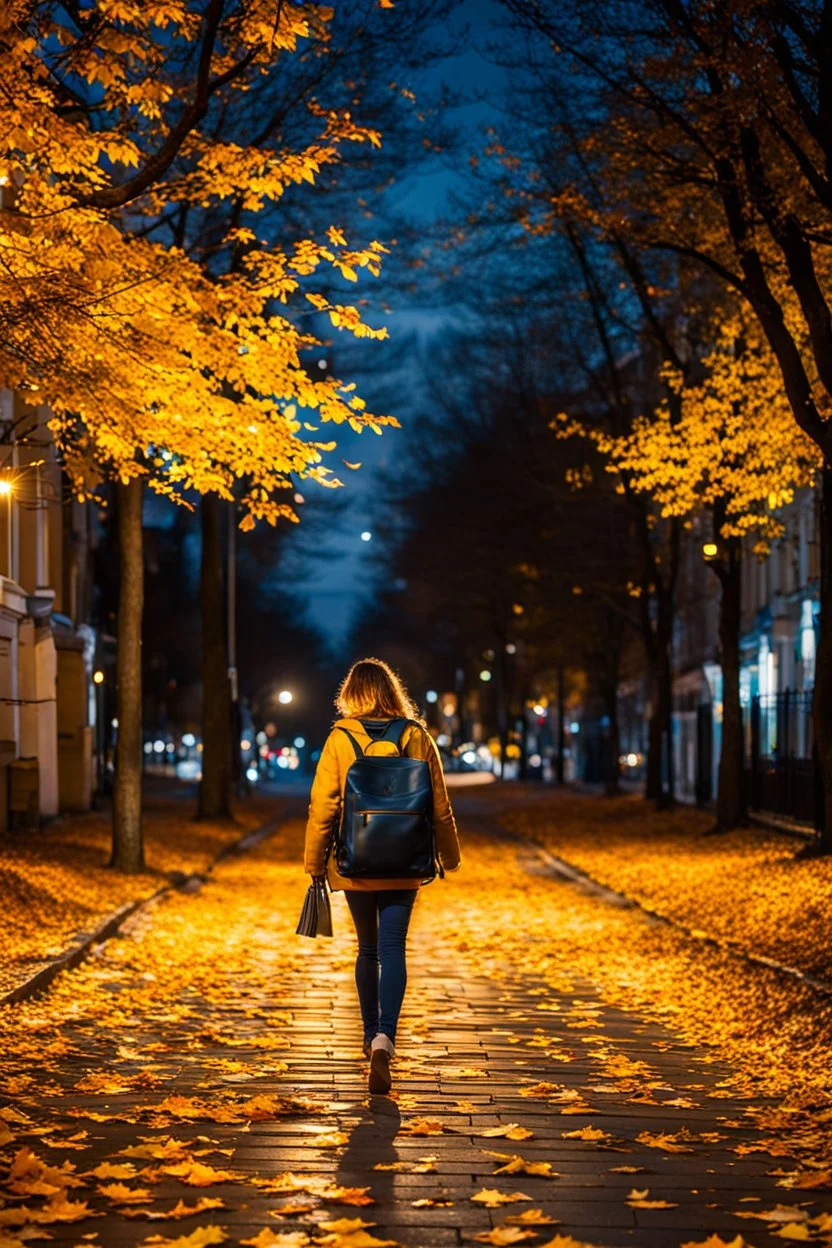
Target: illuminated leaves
(503, 1235)
(179, 1210)
(422, 1126)
(203, 1237)
(121, 1194)
(593, 1134)
(518, 1165)
(639, 1198)
(198, 1174)
(731, 440)
(492, 1198)
(510, 1130)
(151, 364)
(667, 1143)
(267, 1238)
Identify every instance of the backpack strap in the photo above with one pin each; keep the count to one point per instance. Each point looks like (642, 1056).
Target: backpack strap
(359, 753)
(394, 732)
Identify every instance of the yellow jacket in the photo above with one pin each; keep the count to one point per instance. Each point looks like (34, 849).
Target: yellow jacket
(328, 790)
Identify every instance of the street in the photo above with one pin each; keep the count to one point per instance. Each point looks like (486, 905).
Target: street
(199, 1079)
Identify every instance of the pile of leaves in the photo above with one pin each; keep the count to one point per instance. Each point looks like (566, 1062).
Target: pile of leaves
(745, 888)
(56, 885)
(136, 1087)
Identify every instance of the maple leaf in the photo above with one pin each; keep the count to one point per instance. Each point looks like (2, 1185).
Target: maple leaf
(518, 1165)
(121, 1194)
(344, 1226)
(428, 1202)
(667, 1143)
(346, 1195)
(424, 1165)
(203, 1237)
(565, 1241)
(267, 1238)
(179, 1210)
(587, 1133)
(511, 1131)
(639, 1199)
(111, 1170)
(531, 1217)
(780, 1213)
(492, 1197)
(540, 1089)
(502, 1235)
(331, 1139)
(422, 1126)
(198, 1173)
(714, 1241)
(356, 1239)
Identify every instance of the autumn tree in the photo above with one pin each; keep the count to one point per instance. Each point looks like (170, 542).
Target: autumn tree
(706, 126)
(728, 449)
(343, 62)
(157, 372)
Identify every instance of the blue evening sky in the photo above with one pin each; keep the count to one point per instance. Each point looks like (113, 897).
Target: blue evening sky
(335, 588)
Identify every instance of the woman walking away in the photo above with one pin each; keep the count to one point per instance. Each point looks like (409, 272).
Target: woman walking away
(379, 722)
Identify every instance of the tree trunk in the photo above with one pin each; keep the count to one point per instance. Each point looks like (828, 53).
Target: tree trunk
(730, 800)
(822, 700)
(668, 797)
(560, 771)
(653, 775)
(502, 710)
(612, 766)
(128, 850)
(215, 788)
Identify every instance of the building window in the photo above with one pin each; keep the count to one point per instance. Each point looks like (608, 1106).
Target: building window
(808, 643)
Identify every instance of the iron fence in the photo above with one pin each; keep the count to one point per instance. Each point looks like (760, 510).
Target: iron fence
(783, 778)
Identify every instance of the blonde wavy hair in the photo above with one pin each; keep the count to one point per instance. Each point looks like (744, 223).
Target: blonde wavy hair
(372, 690)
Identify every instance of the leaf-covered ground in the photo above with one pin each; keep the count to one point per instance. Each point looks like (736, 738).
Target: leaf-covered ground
(56, 887)
(569, 1073)
(746, 888)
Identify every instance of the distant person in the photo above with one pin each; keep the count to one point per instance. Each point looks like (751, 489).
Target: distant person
(378, 721)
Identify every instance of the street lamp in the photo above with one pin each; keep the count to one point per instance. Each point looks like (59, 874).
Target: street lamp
(6, 488)
(285, 697)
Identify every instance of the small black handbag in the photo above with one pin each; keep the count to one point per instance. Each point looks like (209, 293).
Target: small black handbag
(316, 916)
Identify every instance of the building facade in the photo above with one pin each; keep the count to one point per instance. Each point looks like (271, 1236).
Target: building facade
(47, 648)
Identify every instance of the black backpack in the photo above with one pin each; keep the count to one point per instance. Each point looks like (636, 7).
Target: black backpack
(386, 829)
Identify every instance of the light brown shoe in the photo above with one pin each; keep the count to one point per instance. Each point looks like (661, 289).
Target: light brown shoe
(379, 1081)
(381, 1051)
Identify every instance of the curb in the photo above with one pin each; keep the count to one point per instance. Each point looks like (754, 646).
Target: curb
(566, 870)
(179, 882)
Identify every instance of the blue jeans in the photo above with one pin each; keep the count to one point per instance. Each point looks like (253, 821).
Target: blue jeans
(381, 919)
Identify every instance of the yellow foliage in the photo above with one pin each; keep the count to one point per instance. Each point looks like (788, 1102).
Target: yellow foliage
(151, 364)
(729, 441)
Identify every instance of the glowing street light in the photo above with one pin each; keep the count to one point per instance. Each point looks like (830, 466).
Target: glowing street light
(366, 536)
(7, 489)
(709, 550)
(485, 675)
(98, 677)
(285, 697)
(431, 696)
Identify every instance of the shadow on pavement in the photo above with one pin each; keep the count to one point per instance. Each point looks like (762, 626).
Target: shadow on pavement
(371, 1143)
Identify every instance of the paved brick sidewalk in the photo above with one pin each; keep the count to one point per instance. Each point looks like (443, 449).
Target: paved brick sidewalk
(210, 1001)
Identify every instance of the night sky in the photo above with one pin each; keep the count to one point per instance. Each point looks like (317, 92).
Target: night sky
(334, 589)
